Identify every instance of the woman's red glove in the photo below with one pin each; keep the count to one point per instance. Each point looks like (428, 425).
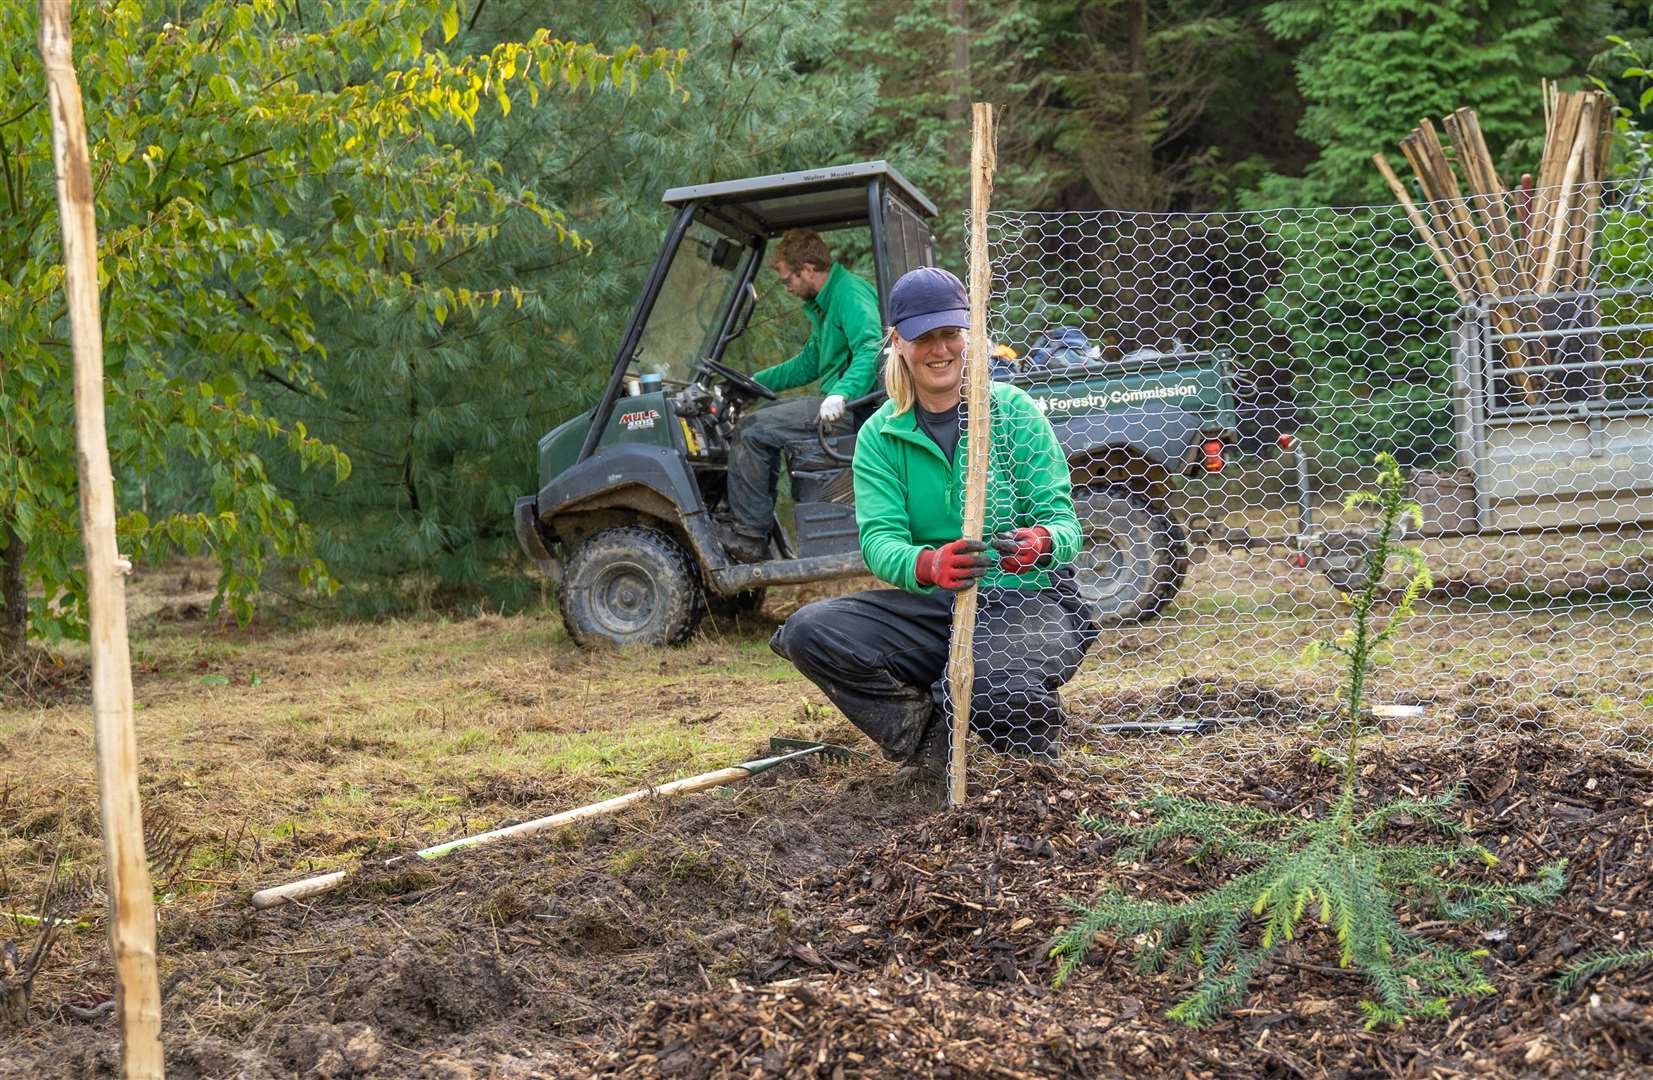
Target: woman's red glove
(955, 566)
(1021, 549)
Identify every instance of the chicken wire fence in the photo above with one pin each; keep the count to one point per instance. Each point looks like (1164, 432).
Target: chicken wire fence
(1219, 383)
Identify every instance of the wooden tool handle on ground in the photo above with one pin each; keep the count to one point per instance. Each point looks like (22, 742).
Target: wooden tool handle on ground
(322, 883)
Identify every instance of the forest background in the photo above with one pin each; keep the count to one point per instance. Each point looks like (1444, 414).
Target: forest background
(341, 305)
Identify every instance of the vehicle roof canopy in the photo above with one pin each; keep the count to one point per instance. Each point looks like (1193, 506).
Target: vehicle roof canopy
(813, 198)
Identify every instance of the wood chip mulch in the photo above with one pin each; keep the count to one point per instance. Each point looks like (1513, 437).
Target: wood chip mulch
(928, 956)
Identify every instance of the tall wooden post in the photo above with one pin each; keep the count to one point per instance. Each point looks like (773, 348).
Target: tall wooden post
(131, 904)
(961, 663)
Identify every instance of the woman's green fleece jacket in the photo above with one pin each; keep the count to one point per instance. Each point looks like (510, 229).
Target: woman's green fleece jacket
(909, 497)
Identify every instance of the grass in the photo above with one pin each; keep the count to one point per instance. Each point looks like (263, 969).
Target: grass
(407, 732)
(387, 731)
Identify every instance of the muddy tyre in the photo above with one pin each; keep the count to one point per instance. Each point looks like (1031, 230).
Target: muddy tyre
(1128, 567)
(1177, 538)
(631, 586)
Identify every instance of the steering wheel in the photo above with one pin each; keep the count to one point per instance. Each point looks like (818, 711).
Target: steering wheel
(739, 380)
(825, 436)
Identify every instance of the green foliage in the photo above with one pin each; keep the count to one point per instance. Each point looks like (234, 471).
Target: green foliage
(1368, 72)
(1134, 104)
(1335, 870)
(1372, 333)
(441, 418)
(1125, 90)
(921, 123)
(1630, 79)
(252, 165)
(1369, 316)
(1589, 967)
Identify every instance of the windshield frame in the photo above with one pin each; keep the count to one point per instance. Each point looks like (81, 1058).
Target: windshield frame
(724, 213)
(690, 277)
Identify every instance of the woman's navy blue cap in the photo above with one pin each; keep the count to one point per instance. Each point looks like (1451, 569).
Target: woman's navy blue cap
(926, 299)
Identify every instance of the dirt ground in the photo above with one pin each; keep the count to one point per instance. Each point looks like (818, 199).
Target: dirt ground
(818, 921)
(831, 923)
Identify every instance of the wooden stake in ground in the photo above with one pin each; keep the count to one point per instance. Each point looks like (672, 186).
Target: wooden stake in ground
(961, 663)
(131, 905)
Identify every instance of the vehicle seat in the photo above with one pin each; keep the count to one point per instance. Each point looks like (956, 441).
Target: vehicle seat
(836, 484)
(819, 477)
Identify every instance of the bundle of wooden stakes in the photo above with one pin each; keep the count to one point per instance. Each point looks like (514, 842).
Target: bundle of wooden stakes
(1512, 248)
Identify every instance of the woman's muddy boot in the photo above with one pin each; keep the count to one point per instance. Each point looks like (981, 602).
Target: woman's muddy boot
(928, 761)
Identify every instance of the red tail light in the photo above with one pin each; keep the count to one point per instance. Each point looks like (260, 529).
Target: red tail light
(1213, 455)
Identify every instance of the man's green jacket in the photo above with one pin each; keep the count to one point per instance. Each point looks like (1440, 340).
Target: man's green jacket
(908, 497)
(844, 335)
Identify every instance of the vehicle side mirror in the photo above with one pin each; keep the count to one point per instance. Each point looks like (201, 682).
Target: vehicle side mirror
(725, 254)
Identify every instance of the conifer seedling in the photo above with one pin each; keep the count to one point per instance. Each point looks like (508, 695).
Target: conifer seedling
(1337, 871)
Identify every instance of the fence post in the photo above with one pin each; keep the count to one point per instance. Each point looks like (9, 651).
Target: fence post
(131, 904)
(961, 665)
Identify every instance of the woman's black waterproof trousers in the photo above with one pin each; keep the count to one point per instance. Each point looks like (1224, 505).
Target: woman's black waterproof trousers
(881, 657)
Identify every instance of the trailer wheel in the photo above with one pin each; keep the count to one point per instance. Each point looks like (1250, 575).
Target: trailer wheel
(1343, 556)
(631, 586)
(1128, 566)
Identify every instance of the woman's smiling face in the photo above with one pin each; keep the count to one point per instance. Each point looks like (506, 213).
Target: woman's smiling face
(936, 364)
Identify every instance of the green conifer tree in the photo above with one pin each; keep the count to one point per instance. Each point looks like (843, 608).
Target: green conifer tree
(1368, 72)
(1336, 870)
(441, 417)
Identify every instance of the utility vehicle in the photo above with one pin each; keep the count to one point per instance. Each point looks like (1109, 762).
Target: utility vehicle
(631, 491)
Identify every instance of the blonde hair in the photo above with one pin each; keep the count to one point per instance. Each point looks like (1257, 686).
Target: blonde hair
(898, 381)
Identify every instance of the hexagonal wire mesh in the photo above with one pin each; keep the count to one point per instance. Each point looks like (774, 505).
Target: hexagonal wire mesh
(1218, 383)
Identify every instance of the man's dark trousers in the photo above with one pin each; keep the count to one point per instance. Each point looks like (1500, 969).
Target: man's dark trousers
(881, 657)
(788, 427)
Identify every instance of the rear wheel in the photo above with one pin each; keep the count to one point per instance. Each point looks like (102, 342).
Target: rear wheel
(631, 586)
(1177, 538)
(1128, 568)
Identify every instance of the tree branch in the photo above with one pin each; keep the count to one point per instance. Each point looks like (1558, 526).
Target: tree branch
(27, 109)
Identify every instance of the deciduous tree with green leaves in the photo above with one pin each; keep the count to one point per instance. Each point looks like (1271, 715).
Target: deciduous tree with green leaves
(441, 418)
(253, 161)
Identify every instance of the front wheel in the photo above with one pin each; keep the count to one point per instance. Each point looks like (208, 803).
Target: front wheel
(631, 586)
(1129, 567)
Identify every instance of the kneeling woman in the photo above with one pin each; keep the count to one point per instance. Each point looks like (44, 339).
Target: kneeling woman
(881, 656)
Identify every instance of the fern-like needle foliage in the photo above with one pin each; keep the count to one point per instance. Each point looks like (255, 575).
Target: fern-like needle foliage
(1599, 964)
(1333, 870)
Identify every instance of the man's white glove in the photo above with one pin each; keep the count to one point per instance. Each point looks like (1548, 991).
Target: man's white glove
(832, 409)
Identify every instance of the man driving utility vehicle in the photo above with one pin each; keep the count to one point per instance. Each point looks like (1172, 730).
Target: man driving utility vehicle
(842, 353)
